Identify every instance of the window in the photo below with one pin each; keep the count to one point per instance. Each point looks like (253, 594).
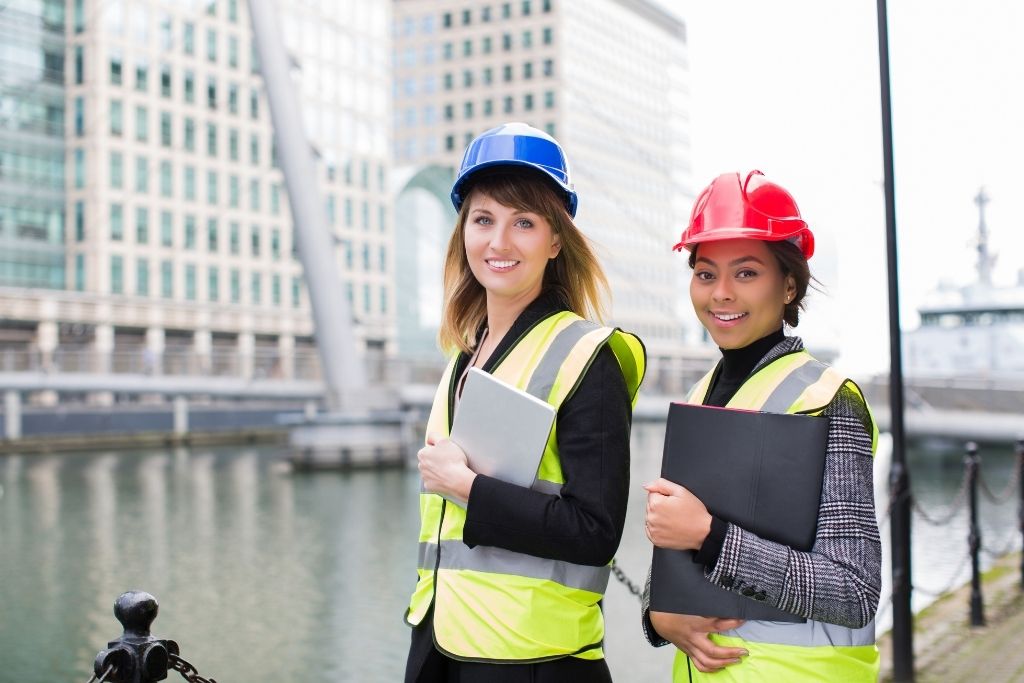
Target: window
(296, 292)
(509, 104)
(79, 168)
(234, 238)
(116, 170)
(190, 183)
(166, 229)
(275, 199)
(79, 116)
(116, 68)
(165, 80)
(190, 134)
(212, 238)
(506, 10)
(506, 41)
(527, 39)
(211, 45)
(447, 51)
(233, 98)
(254, 149)
(485, 13)
(166, 279)
(447, 81)
(446, 20)
(549, 67)
(211, 139)
(190, 86)
(141, 175)
(275, 289)
(116, 117)
(449, 142)
(527, 70)
(141, 124)
(549, 99)
(467, 17)
(275, 244)
(79, 65)
(79, 16)
(190, 232)
(211, 187)
(486, 45)
(528, 101)
(142, 225)
(488, 75)
(233, 144)
(467, 111)
(255, 287)
(116, 222)
(188, 37)
(165, 129)
(142, 277)
(116, 274)
(526, 8)
(506, 73)
(467, 79)
(254, 194)
(488, 107)
(233, 51)
(80, 272)
(254, 105)
(254, 240)
(236, 286)
(548, 36)
(211, 93)
(233, 11)
(79, 221)
(166, 181)
(546, 5)
(141, 76)
(213, 283)
(467, 48)
(234, 191)
(190, 282)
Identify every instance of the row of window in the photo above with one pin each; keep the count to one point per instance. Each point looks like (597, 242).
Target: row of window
(190, 276)
(508, 106)
(408, 86)
(114, 11)
(507, 43)
(526, 9)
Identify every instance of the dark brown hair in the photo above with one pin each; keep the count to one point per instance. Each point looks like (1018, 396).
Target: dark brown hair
(792, 262)
(575, 273)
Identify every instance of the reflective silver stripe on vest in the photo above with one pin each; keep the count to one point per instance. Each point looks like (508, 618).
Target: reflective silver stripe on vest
(484, 558)
(796, 382)
(808, 634)
(543, 377)
(547, 487)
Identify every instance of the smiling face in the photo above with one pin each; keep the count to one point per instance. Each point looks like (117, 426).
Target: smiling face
(739, 291)
(508, 250)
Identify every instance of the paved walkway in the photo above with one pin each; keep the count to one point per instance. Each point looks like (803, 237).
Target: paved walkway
(947, 649)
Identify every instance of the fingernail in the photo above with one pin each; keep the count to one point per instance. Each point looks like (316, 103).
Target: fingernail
(744, 653)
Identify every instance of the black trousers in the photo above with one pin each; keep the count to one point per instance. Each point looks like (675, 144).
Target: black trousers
(426, 665)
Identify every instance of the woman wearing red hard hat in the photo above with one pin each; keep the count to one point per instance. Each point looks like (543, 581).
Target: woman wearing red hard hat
(748, 249)
(510, 577)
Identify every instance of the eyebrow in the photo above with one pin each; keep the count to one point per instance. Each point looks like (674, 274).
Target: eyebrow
(734, 262)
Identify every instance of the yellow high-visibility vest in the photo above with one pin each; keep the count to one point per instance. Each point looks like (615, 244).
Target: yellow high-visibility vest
(780, 651)
(493, 604)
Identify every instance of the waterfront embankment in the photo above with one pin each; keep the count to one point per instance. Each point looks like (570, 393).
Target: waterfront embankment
(948, 649)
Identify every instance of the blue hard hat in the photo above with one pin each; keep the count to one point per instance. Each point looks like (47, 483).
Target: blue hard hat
(516, 144)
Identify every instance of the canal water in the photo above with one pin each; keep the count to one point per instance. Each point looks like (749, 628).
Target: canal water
(265, 575)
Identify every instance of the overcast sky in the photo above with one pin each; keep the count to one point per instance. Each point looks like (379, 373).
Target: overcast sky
(792, 88)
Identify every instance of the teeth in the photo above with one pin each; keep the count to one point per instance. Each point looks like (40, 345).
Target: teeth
(728, 316)
(503, 264)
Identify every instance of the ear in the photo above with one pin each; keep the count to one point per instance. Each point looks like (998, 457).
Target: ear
(556, 245)
(790, 287)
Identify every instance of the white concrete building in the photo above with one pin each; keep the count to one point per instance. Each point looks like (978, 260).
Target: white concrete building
(609, 79)
(178, 243)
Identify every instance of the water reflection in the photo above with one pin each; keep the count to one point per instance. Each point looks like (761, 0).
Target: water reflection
(265, 575)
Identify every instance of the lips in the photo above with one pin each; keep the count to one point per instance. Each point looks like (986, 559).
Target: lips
(725, 318)
(501, 264)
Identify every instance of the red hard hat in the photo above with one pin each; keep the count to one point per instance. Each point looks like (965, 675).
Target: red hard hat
(755, 208)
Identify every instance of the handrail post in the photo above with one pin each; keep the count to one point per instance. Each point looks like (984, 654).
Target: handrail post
(135, 657)
(1020, 502)
(972, 461)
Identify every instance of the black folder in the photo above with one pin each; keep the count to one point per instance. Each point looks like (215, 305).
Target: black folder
(761, 471)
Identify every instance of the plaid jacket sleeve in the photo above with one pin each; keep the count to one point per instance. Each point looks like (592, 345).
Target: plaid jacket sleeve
(839, 580)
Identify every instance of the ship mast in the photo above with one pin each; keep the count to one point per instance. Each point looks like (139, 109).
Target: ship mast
(985, 259)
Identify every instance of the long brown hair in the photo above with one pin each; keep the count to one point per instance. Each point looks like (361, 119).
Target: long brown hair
(574, 274)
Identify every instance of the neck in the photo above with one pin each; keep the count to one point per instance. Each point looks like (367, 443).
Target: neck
(502, 313)
(738, 363)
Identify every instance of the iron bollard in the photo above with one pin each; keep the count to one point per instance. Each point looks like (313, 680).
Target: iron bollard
(136, 657)
(972, 461)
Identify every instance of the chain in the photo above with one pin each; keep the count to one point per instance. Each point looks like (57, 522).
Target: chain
(942, 520)
(104, 676)
(187, 671)
(1011, 541)
(952, 582)
(1011, 485)
(621, 576)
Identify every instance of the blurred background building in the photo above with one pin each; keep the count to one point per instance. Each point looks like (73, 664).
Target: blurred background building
(608, 78)
(144, 226)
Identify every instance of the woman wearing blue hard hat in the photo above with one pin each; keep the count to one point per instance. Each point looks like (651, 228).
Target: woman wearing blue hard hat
(510, 577)
(748, 248)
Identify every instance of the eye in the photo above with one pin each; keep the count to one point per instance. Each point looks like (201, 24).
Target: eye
(703, 275)
(482, 220)
(524, 223)
(746, 273)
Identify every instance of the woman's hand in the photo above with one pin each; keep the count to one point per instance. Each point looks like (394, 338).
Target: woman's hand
(676, 518)
(690, 634)
(444, 468)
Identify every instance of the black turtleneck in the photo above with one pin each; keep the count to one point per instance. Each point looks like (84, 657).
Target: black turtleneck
(731, 373)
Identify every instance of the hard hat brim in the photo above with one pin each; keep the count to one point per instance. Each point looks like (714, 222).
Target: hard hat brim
(458, 194)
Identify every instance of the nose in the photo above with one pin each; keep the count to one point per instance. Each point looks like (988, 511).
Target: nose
(722, 290)
(500, 238)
